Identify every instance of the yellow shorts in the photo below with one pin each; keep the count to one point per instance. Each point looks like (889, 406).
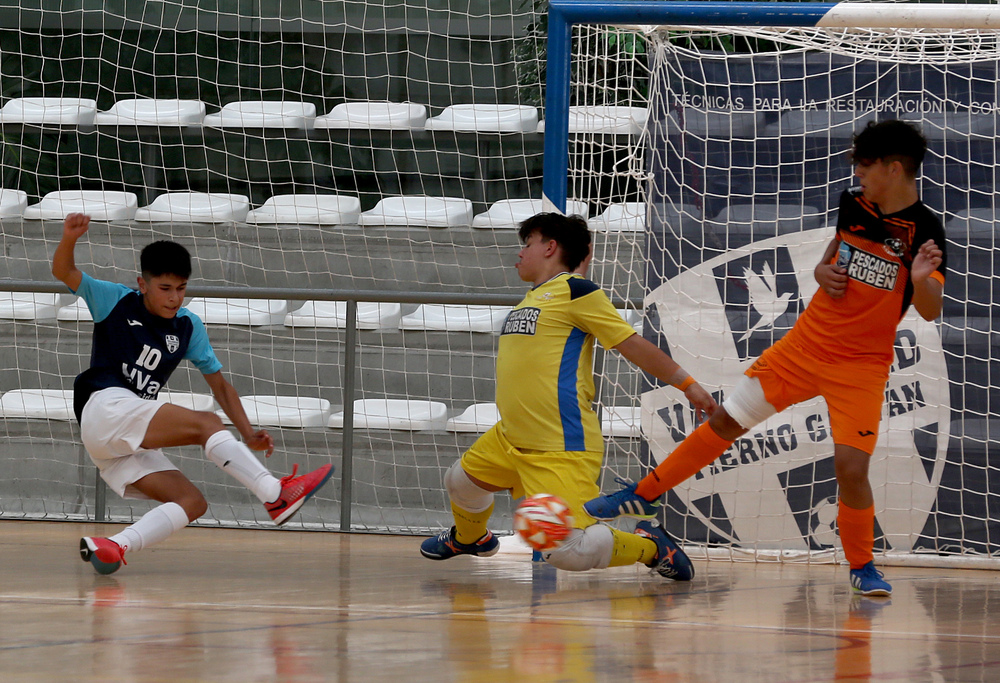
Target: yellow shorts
(854, 392)
(571, 475)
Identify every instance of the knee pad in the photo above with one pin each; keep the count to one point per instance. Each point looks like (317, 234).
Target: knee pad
(585, 549)
(463, 492)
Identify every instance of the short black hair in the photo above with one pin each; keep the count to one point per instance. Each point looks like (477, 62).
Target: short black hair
(890, 140)
(165, 258)
(569, 232)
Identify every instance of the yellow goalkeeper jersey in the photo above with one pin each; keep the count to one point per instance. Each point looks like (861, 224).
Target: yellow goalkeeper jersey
(545, 364)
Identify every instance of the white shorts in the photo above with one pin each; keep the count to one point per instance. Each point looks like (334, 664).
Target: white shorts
(113, 425)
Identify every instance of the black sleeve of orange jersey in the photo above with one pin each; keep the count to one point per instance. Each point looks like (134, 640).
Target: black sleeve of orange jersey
(845, 211)
(930, 228)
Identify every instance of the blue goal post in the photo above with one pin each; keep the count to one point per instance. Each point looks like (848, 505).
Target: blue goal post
(564, 14)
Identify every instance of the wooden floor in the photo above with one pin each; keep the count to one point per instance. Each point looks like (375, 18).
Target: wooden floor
(229, 605)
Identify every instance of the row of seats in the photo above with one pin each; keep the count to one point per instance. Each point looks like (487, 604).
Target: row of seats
(305, 209)
(253, 312)
(480, 118)
(298, 412)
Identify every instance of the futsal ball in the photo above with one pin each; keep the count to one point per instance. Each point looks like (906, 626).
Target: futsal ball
(543, 521)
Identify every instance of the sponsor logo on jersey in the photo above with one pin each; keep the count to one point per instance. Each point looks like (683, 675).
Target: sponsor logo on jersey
(895, 247)
(521, 321)
(872, 270)
(173, 343)
(710, 321)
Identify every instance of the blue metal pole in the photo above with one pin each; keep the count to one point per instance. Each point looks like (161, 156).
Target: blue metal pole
(555, 163)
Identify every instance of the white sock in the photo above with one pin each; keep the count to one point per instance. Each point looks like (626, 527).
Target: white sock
(234, 458)
(153, 527)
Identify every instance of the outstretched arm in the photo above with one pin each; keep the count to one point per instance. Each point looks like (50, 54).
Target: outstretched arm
(228, 398)
(647, 356)
(927, 292)
(63, 262)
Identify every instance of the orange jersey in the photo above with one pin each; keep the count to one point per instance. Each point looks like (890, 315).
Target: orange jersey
(877, 251)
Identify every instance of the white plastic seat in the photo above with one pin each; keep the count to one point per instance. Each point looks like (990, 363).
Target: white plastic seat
(189, 400)
(28, 305)
(374, 116)
(307, 209)
(953, 125)
(608, 120)
(632, 317)
(622, 421)
(371, 315)
(507, 214)
(455, 318)
(788, 217)
(420, 211)
(50, 110)
(196, 207)
(380, 413)
(716, 124)
(486, 118)
(75, 311)
(980, 222)
(153, 113)
(284, 411)
(263, 115)
(13, 202)
(626, 217)
(479, 417)
(99, 205)
(238, 311)
(41, 404)
(838, 124)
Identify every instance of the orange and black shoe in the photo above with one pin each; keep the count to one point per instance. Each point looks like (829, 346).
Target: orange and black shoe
(444, 546)
(106, 555)
(295, 491)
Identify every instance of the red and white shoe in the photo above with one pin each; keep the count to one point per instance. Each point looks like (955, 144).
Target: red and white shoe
(295, 491)
(106, 555)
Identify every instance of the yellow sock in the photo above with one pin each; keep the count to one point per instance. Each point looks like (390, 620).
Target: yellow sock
(629, 549)
(470, 526)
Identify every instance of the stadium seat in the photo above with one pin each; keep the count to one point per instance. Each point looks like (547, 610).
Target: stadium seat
(41, 404)
(239, 311)
(13, 202)
(412, 415)
(974, 223)
(627, 217)
(632, 317)
(63, 111)
(762, 218)
(420, 211)
(621, 421)
(75, 311)
(455, 318)
(284, 411)
(371, 316)
(99, 205)
(28, 305)
(486, 118)
(960, 125)
(716, 124)
(479, 417)
(153, 113)
(196, 207)
(307, 209)
(263, 115)
(838, 124)
(374, 116)
(605, 120)
(189, 400)
(507, 214)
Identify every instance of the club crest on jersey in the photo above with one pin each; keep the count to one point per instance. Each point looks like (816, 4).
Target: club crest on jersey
(895, 247)
(521, 321)
(173, 343)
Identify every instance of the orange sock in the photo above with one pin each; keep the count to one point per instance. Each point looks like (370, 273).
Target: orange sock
(701, 447)
(857, 534)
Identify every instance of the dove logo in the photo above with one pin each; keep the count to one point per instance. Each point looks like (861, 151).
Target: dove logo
(775, 487)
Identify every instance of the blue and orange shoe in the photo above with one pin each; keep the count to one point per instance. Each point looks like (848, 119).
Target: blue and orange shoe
(671, 562)
(106, 555)
(444, 546)
(625, 502)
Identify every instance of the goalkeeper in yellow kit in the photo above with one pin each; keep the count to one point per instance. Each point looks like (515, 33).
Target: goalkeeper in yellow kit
(548, 439)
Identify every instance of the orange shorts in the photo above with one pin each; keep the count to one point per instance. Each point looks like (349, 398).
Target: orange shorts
(854, 392)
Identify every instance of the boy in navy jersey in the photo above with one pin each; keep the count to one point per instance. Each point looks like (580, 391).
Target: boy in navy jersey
(139, 339)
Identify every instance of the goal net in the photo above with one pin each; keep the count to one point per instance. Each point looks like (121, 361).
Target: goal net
(738, 174)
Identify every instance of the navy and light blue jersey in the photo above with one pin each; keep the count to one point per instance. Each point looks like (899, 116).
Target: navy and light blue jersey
(134, 349)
